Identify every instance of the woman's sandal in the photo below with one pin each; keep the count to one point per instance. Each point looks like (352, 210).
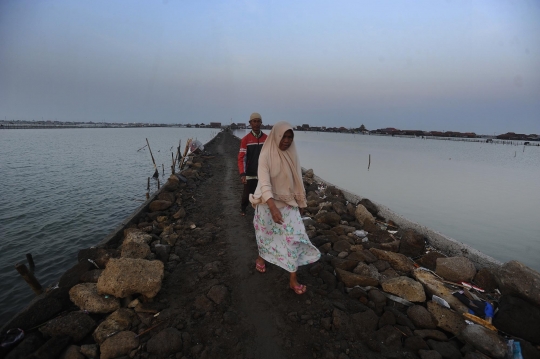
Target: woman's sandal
(299, 289)
(261, 268)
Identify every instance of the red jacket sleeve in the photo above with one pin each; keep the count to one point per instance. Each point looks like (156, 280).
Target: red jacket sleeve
(242, 157)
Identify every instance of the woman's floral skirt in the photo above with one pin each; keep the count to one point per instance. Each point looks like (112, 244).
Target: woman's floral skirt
(286, 245)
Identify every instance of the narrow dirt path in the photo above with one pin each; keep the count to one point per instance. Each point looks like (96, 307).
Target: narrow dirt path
(248, 294)
(221, 304)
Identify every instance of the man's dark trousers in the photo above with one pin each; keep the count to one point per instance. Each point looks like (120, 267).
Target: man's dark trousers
(249, 187)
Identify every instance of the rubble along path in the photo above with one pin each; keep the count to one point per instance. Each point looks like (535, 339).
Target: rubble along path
(254, 315)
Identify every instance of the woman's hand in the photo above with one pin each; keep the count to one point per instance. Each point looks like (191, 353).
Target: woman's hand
(276, 213)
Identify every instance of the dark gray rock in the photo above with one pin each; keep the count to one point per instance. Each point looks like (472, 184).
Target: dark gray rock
(342, 246)
(91, 276)
(388, 318)
(218, 293)
(330, 218)
(99, 255)
(429, 354)
(518, 280)
(378, 299)
(365, 322)
(447, 350)
(415, 344)
(370, 206)
(456, 269)
(52, 348)
(345, 264)
(329, 279)
(485, 341)
(28, 345)
(412, 243)
(421, 317)
(77, 325)
(431, 334)
(162, 252)
(72, 352)
(381, 265)
(519, 318)
(429, 260)
(339, 208)
(165, 343)
(119, 344)
(387, 338)
(486, 279)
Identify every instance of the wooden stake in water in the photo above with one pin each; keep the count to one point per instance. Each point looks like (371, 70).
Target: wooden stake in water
(156, 173)
(163, 168)
(30, 261)
(29, 278)
(369, 163)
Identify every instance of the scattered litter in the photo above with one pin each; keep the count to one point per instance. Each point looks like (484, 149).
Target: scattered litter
(392, 232)
(94, 263)
(12, 337)
(470, 286)
(360, 233)
(517, 351)
(196, 145)
(440, 301)
(111, 334)
(398, 299)
(365, 239)
(478, 320)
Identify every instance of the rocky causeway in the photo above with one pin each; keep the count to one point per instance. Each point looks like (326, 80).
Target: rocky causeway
(177, 279)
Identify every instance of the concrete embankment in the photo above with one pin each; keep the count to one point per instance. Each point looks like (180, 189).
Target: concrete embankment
(177, 280)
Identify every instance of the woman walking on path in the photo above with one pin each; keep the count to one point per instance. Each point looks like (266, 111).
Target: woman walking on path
(279, 229)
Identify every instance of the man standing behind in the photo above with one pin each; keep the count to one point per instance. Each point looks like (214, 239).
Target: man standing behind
(248, 158)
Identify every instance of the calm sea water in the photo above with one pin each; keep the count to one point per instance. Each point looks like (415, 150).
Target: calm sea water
(484, 195)
(64, 190)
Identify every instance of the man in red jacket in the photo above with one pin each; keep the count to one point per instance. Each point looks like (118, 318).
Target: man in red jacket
(248, 158)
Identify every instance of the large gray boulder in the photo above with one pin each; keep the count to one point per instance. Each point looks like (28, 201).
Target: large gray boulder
(405, 287)
(137, 236)
(519, 318)
(119, 344)
(165, 343)
(434, 286)
(362, 214)
(447, 319)
(521, 281)
(126, 276)
(159, 205)
(446, 349)
(135, 250)
(77, 325)
(421, 317)
(398, 261)
(330, 218)
(120, 320)
(412, 243)
(86, 297)
(350, 279)
(456, 269)
(484, 340)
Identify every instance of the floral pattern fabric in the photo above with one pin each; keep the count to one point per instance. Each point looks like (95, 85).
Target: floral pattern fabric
(286, 245)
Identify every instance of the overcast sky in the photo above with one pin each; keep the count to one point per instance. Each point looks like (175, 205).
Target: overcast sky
(458, 65)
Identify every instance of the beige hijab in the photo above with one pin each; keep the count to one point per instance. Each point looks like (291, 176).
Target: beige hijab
(280, 174)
